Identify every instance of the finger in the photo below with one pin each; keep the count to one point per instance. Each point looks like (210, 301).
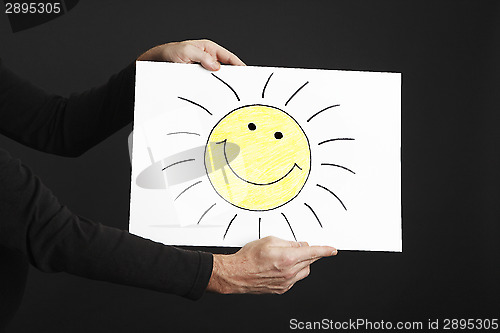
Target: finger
(219, 53)
(312, 252)
(192, 53)
(298, 244)
(227, 57)
(278, 242)
(302, 249)
(302, 274)
(302, 264)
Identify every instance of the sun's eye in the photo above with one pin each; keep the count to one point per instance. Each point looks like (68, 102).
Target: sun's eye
(252, 127)
(278, 135)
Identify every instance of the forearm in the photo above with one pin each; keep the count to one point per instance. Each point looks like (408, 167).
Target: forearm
(34, 223)
(94, 251)
(64, 126)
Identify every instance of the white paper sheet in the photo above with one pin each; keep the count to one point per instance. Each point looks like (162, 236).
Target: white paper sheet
(223, 158)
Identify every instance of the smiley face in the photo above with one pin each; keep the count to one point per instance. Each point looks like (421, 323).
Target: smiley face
(257, 157)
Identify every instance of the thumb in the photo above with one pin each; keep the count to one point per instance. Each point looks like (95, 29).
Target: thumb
(209, 62)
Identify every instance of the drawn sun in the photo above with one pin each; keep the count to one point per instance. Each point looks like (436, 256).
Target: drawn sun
(273, 163)
(258, 158)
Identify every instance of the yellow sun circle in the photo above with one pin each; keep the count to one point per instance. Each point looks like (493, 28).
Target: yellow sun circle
(257, 157)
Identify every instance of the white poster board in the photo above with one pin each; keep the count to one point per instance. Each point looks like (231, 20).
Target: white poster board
(224, 158)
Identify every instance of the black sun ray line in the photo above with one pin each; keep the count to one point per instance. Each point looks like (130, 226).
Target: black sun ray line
(168, 166)
(192, 133)
(203, 215)
(331, 192)
(224, 237)
(194, 103)
(329, 107)
(339, 166)
(265, 86)
(336, 139)
(260, 219)
(314, 213)
(235, 94)
(295, 93)
(187, 188)
(289, 226)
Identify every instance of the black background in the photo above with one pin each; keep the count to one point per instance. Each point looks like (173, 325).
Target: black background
(448, 53)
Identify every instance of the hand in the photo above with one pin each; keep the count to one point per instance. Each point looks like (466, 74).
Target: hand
(205, 52)
(268, 265)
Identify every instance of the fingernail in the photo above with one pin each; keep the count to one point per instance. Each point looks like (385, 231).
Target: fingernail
(215, 65)
(335, 252)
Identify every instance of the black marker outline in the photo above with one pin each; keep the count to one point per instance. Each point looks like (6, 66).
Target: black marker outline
(203, 215)
(267, 82)
(187, 189)
(190, 101)
(331, 192)
(221, 80)
(260, 219)
(172, 133)
(336, 139)
(168, 166)
(230, 222)
(329, 107)
(339, 166)
(295, 93)
(314, 213)
(247, 181)
(289, 226)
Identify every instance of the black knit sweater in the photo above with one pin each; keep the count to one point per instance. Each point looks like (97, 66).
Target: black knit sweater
(36, 229)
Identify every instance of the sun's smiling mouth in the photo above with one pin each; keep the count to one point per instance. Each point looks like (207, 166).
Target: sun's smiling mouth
(295, 165)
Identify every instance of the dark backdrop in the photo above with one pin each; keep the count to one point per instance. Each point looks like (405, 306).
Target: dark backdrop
(448, 53)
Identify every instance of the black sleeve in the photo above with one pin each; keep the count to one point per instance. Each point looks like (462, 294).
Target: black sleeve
(64, 126)
(33, 222)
